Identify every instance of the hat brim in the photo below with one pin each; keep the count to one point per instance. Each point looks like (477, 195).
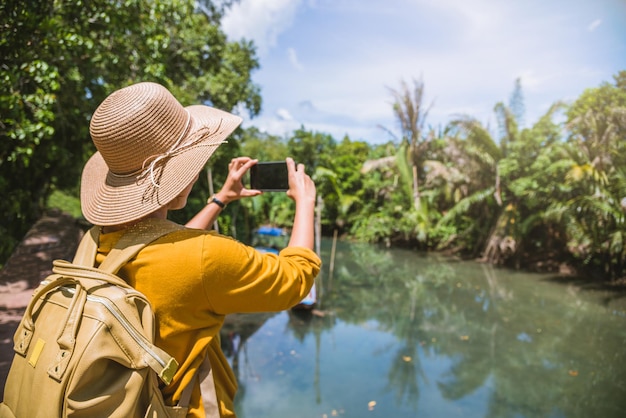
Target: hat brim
(108, 199)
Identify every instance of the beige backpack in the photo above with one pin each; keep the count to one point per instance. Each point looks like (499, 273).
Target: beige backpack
(84, 347)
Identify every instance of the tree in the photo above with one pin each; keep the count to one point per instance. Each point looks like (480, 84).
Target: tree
(342, 207)
(60, 58)
(409, 110)
(316, 150)
(515, 165)
(594, 118)
(400, 216)
(313, 149)
(594, 183)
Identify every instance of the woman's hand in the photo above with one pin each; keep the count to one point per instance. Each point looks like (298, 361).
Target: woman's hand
(301, 187)
(233, 188)
(302, 191)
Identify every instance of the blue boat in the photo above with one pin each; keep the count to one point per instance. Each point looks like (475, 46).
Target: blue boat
(270, 239)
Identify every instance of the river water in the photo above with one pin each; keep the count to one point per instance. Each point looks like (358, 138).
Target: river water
(399, 334)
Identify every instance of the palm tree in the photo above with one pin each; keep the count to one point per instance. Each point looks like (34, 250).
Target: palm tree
(411, 115)
(402, 165)
(486, 153)
(502, 174)
(594, 188)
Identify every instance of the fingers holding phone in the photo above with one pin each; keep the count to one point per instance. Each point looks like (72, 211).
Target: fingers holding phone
(301, 186)
(292, 178)
(233, 188)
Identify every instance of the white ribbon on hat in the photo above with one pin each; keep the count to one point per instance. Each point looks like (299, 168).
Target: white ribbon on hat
(167, 154)
(195, 140)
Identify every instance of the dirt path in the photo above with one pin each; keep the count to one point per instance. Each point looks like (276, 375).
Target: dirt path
(54, 236)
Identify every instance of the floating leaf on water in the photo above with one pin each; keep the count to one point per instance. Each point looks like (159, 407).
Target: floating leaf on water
(573, 373)
(334, 413)
(464, 337)
(407, 358)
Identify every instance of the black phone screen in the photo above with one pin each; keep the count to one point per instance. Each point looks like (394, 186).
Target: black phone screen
(269, 176)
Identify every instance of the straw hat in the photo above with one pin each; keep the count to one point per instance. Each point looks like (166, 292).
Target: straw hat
(150, 148)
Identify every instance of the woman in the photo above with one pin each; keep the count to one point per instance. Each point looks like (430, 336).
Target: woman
(150, 152)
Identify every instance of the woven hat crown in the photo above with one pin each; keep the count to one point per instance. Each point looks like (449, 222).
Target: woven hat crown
(135, 123)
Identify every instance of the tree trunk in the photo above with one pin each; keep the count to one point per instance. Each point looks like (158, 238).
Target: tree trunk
(500, 245)
(497, 193)
(416, 192)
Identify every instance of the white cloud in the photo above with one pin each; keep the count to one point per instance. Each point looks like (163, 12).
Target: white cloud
(273, 125)
(283, 114)
(260, 20)
(594, 25)
(467, 52)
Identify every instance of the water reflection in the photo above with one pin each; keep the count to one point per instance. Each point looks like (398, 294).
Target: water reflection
(404, 335)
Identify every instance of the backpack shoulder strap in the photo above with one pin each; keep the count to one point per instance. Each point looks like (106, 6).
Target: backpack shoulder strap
(133, 241)
(87, 248)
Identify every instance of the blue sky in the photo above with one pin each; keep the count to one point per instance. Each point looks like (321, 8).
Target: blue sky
(329, 64)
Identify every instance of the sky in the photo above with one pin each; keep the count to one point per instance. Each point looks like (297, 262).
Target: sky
(329, 65)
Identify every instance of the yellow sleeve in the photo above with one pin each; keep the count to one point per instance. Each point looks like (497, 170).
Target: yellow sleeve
(238, 278)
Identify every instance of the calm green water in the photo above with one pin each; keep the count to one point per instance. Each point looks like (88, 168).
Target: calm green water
(406, 335)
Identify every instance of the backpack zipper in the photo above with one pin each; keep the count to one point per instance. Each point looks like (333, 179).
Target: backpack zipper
(139, 339)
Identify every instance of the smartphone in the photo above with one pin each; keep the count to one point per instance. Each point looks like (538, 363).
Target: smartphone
(269, 176)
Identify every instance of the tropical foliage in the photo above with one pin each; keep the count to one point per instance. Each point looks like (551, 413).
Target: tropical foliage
(544, 197)
(537, 195)
(60, 58)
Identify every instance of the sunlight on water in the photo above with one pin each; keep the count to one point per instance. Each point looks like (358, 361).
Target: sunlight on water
(406, 335)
